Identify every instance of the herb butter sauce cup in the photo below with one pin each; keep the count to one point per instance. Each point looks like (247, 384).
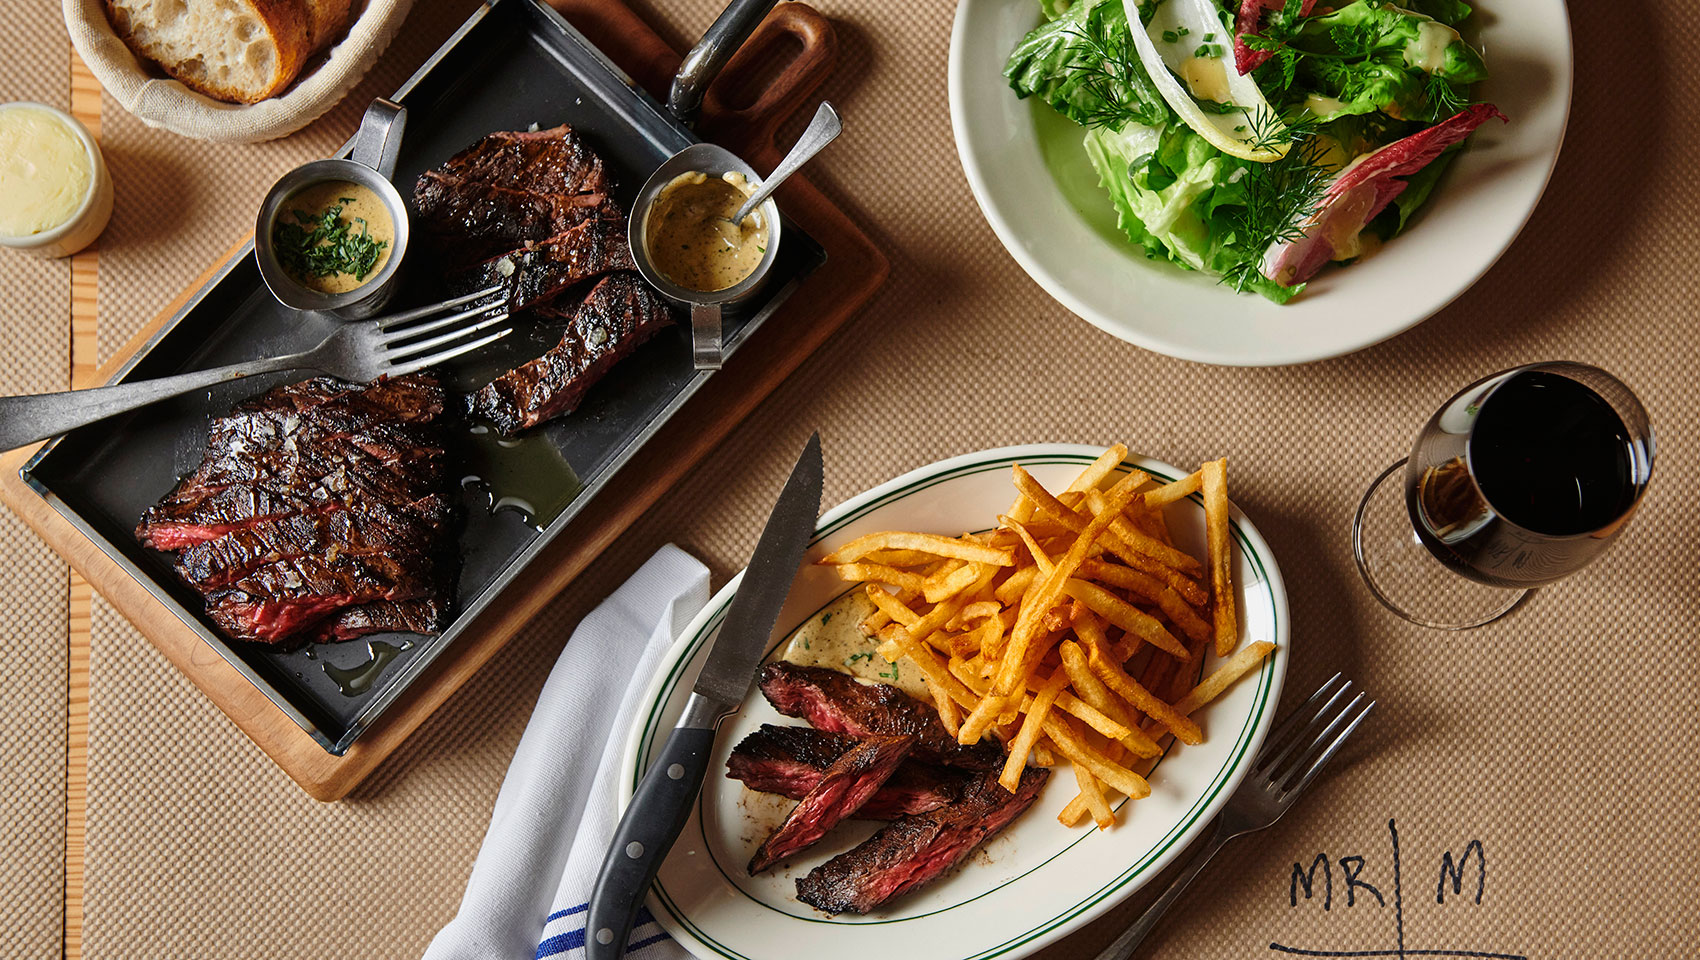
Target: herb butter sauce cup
(371, 165)
(55, 193)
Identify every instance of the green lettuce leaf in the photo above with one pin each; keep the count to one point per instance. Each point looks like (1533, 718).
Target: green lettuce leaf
(1177, 197)
(1084, 65)
(1372, 55)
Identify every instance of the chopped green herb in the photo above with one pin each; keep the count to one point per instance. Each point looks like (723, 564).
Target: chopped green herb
(1169, 36)
(850, 661)
(1183, 31)
(892, 675)
(322, 245)
(825, 618)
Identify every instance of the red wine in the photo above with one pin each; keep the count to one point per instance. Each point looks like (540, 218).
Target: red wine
(1521, 480)
(1552, 456)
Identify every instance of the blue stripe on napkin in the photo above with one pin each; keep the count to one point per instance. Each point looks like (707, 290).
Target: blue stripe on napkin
(573, 939)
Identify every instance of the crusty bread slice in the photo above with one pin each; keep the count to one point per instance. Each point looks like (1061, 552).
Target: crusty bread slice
(326, 20)
(242, 51)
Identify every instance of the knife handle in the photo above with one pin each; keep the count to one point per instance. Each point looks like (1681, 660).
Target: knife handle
(652, 822)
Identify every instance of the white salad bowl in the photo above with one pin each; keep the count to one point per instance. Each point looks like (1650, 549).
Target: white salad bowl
(1066, 239)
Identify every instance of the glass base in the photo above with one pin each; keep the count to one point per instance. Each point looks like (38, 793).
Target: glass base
(1406, 578)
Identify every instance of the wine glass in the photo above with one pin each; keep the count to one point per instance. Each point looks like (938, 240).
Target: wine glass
(1521, 479)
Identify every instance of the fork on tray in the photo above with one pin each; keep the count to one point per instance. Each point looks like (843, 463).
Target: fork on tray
(393, 345)
(1296, 752)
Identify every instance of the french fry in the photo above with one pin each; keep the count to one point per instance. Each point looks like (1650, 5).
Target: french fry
(1051, 587)
(878, 573)
(1143, 700)
(1215, 482)
(1224, 675)
(1041, 559)
(944, 585)
(948, 713)
(1012, 589)
(1031, 727)
(1139, 542)
(984, 714)
(1042, 754)
(894, 608)
(1125, 615)
(923, 542)
(1173, 605)
(1111, 773)
(1170, 492)
(1028, 633)
(1068, 517)
(1093, 792)
(975, 610)
(900, 558)
(1090, 689)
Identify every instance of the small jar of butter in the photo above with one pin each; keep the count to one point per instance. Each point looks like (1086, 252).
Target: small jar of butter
(55, 193)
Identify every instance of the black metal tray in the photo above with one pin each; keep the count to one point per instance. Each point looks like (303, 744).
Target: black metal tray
(514, 63)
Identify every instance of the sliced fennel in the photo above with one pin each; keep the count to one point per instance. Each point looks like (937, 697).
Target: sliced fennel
(1173, 46)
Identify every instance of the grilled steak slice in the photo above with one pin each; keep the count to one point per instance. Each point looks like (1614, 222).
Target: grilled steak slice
(554, 161)
(384, 616)
(620, 313)
(509, 188)
(373, 528)
(839, 703)
(789, 761)
(912, 852)
(468, 221)
(317, 510)
(539, 272)
(843, 788)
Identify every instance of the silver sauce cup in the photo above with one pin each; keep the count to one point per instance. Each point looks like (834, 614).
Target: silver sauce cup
(706, 307)
(371, 165)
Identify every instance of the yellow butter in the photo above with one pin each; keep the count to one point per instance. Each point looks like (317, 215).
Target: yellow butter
(44, 171)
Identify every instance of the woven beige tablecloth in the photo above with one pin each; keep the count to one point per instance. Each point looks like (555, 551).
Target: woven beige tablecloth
(1562, 738)
(33, 580)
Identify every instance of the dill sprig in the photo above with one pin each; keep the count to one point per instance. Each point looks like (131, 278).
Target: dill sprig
(1109, 71)
(322, 245)
(1444, 97)
(1280, 196)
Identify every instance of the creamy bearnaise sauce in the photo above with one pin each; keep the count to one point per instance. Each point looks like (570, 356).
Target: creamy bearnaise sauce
(833, 638)
(692, 239)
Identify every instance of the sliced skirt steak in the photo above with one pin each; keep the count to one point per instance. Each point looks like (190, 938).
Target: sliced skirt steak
(841, 790)
(914, 851)
(839, 703)
(790, 761)
(620, 313)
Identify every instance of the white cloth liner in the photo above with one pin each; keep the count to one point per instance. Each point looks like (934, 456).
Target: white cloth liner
(529, 890)
(160, 101)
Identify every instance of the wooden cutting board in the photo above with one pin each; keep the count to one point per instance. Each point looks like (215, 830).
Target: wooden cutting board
(774, 75)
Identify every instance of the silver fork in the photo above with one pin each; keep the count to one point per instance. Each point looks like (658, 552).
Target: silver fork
(1298, 749)
(396, 345)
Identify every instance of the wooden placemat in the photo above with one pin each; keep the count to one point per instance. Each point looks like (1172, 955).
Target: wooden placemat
(1561, 739)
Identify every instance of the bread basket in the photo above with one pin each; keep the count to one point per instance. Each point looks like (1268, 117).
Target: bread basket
(160, 101)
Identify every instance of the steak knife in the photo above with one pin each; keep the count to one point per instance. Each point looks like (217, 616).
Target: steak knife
(662, 803)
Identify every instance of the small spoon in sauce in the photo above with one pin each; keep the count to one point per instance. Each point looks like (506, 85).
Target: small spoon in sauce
(822, 130)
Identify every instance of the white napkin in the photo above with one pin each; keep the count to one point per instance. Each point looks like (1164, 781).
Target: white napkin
(530, 888)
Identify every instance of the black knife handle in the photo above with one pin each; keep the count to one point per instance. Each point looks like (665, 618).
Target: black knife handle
(652, 822)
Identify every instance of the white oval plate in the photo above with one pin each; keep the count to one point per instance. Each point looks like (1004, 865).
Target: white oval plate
(1478, 208)
(1034, 882)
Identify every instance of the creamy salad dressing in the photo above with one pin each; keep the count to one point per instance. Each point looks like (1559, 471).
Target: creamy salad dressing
(833, 638)
(692, 239)
(1428, 51)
